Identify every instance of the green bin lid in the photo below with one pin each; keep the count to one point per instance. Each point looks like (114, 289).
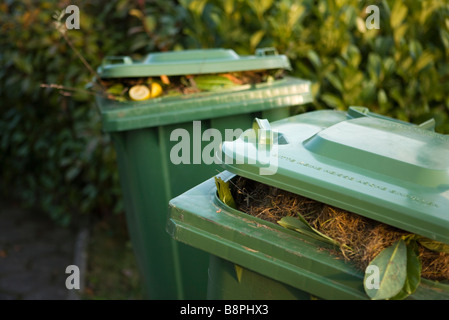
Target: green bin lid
(191, 62)
(387, 170)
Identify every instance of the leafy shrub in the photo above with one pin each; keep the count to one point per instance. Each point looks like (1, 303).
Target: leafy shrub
(52, 152)
(400, 69)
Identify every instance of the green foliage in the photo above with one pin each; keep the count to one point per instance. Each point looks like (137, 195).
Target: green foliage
(301, 225)
(392, 265)
(399, 268)
(413, 272)
(52, 150)
(224, 193)
(433, 245)
(53, 154)
(400, 70)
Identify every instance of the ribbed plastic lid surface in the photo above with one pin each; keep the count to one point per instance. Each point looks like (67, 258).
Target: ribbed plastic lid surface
(388, 170)
(188, 62)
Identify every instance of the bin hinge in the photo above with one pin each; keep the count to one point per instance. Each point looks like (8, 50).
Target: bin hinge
(269, 51)
(117, 60)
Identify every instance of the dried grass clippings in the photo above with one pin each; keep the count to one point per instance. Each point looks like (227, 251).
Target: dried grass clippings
(360, 238)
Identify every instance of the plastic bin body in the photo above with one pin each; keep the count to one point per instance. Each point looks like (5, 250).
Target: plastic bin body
(225, 284)
(142, 135)
(277, 263)
(410, 200)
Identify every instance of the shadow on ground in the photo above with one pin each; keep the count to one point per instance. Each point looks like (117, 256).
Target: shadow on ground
(34, 254)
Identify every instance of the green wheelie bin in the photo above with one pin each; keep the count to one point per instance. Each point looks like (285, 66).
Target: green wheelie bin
(165, 144)
(391, 172)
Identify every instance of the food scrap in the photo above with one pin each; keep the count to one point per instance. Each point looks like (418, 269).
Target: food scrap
(141, 89)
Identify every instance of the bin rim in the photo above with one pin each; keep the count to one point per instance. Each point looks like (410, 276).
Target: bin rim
(122, 116)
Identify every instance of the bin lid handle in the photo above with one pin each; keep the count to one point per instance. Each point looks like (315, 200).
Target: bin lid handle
(265, 135)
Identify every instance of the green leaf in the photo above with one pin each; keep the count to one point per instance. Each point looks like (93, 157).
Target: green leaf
(224, 193)
(23, 64)
(374, 66)
(256, 38)
(361, 25)
(72, 173)
(228, 7)
(197, 6)
(296, 225)
(398, 14)
(415, 49)
(327, 239)
(413, 272)
(391, 264)
(260, 7)
(150, 22)
(136, 13)
(294, 14)
(400, 32)
(315, 59)
(382, 97)
(335, 81)
(424, 60)
(302, 226)
(213, 82)
(445, 38)
(238, 272)
(116, 89)
(433, 245)
(353, 56)
(333, 101)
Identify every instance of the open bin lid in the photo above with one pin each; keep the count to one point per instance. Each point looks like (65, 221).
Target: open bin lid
(381, 168)
(188, 62)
